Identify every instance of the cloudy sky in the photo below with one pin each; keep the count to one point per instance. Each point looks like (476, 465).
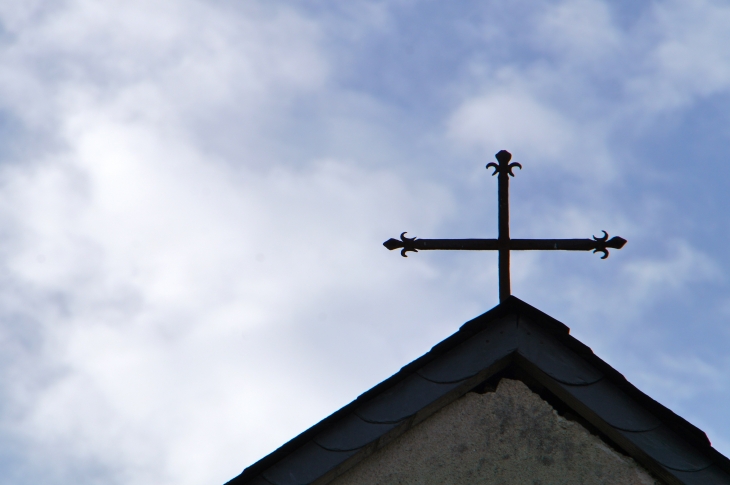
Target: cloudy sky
(194, 196)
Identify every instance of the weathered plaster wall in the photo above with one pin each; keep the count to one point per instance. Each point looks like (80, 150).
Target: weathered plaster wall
(510, 436)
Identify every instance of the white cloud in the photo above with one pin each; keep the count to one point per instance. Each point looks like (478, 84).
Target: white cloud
(579, 32)
(515, 120)
(161, 270)
(163, 62)
(158, 278)
(685, 265)
(640, 283)
(687, 59)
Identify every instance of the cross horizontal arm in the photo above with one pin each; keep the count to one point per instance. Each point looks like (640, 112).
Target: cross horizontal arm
(596, 244)
(414, 244)
(566, 244)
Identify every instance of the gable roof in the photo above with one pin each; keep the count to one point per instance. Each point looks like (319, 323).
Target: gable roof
(512, 339)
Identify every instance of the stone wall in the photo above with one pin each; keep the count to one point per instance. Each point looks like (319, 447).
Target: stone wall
(511, 436)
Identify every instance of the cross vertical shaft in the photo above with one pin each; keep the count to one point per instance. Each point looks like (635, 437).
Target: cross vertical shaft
(504, 169)
(503, 239)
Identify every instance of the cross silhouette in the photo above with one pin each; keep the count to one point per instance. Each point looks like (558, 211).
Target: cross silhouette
(503, 243)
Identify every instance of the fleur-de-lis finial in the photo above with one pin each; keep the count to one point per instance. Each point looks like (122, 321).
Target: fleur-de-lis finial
(503, 157)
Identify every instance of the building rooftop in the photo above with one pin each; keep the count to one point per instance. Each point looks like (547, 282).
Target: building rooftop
(512, 340)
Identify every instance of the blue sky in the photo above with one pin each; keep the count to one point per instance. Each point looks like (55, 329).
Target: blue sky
(193, 198)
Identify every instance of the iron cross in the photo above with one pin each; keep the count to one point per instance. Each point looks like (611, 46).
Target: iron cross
(503, 243)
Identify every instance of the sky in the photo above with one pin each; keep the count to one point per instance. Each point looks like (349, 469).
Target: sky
(194, 196)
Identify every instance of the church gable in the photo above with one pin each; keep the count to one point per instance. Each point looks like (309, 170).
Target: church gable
(508, 436)
(513, 340)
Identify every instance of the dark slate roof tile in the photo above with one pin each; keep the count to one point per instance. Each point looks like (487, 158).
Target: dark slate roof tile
(664, 446)
(259, 481)
(613, 406)
(351, 433)
(553, 358)
(402, 400)
(475, 354)
(711, 475)
(305, 465)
